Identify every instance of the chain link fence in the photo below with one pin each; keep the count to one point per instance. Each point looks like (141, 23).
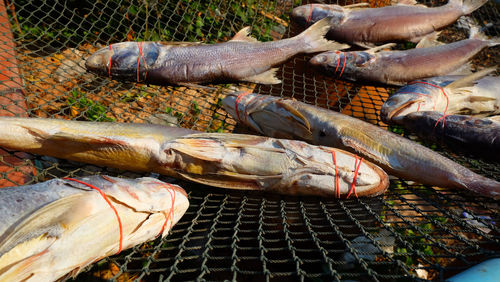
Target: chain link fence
(410, 232)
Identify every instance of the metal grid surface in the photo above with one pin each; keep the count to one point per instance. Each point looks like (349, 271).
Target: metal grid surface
(410, 232)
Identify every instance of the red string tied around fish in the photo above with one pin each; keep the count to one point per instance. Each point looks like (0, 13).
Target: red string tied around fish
(445, 95)
(120, 245)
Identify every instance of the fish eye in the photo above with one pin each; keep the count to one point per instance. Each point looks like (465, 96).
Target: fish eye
(321, 59)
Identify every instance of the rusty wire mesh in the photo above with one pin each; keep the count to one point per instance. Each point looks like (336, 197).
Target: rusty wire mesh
(412, 231)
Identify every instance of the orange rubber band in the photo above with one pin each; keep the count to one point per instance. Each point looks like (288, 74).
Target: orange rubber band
(110, 204)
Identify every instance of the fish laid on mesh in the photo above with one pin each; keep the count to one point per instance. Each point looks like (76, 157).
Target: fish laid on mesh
(474, 94)
(402, 22)
(241, 59)
(219, 159)
(285, 118)
(400, 67)
(52, 230)
(474, 134)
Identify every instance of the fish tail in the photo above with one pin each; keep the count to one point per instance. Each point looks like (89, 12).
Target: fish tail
(314, 38)
(469, 6)
(476, 33)
(482, 185)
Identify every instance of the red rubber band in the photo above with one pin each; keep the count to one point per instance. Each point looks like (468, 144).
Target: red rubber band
(139, 44)
(338, 61)
(337, 185)
(309, 18)
(110, 60)
(236, 103)
(248, 104)
(171, 212)
(418, 108)
(445, 95)
(343, 67)
(109, 203)
(356, 171)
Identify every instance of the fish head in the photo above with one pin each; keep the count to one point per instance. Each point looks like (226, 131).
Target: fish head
(340, 64)
(144, 194)
(406, 100)
(271, 116)
(123, 60)
(309, 14)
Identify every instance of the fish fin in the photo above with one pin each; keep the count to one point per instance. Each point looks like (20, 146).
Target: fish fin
(469, 6)
(403, 2)
(88, 139)
(244, 35)
(469, 79)
(267, 77)
(481, 99)
(366, 45)
(181, 43)
(194, 85)
(430, 40)
(379, 48)
(314, 38)
(51, 220)
(15, 265)
(295, 114)
(357, 5)
(475, 33)
(63, 136)
(464, 69)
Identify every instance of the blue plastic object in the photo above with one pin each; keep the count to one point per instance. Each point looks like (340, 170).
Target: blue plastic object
(484, 272)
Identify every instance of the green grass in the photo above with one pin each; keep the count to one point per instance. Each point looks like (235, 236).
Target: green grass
(91, 110)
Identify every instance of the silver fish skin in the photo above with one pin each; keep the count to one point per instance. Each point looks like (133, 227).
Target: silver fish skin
(364, 26)
(285, 118)
(399, 67)
(241, 59)
(234, 161)
(478, 95)
(52, 230)
(475, 134)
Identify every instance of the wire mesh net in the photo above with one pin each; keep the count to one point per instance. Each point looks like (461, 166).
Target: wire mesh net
(412, 231)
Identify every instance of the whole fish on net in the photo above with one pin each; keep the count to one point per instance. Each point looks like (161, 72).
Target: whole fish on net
(52, 230)
(480, 135)
(285, 118)
(243, 58)
(400, 67)
(224, 160)
(474, 94)
(402, 22)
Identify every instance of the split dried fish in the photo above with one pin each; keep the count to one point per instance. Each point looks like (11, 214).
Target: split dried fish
(219, 159)
(52, 230)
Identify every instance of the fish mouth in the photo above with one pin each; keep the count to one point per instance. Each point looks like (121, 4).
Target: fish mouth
(394, 115)
(99, 61)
